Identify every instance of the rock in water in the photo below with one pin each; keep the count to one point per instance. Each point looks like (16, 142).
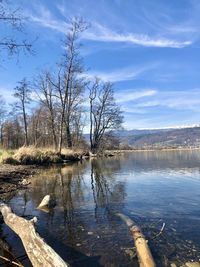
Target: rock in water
(47, 203)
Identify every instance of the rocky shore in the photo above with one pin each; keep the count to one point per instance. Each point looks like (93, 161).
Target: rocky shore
(13, 177)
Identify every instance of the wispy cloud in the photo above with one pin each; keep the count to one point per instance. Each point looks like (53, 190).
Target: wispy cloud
(182, 29)
(174, 100)
(129, 95)
(124, 74)
(7, 95)
(45, 19)
(99, 33)
(104, 34)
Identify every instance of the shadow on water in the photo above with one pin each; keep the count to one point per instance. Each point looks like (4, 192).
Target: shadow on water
(151, 187)
(72, 256)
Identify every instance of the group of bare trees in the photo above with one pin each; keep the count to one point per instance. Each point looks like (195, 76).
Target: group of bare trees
(52, 110)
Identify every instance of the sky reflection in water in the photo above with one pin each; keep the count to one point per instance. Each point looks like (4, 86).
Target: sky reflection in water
(150, 187)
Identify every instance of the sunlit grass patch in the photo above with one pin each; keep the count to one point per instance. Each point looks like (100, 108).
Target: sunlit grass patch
(33, 155)
(5, 155)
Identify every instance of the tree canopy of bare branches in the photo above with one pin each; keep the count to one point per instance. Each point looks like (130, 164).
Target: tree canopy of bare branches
(22, 93)
(2, 117)
(69, 86)
(61, 114)
(12, 20)
(105, 114)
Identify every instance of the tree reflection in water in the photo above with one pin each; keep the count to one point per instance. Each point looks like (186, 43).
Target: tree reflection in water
(107, 192)
(82, 228)
(81, 224)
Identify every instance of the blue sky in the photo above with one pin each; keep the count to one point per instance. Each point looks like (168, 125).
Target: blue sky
(148, 49)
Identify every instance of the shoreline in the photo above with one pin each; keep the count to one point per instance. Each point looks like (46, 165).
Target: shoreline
(14, 177)
(151, 150)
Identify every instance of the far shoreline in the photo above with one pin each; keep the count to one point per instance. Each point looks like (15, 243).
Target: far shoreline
(152, 150)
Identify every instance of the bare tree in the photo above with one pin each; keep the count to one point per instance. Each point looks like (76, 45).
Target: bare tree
(12, 132)
(69, 84)
(2, 117)
(46, 94)
(34, 122)
(11, 19)
(22, 93)
(105, 114)
(78, 119)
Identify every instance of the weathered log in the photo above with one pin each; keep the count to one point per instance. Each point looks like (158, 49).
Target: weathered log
(143, 252)
(39, 253)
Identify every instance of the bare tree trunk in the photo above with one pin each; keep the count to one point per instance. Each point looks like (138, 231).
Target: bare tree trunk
(25, 126)
(1, 133)
(91, 123)
(69, 137)
(39, 253)
(22, 93)
(61, 132)
(54, 133)
(94, 148)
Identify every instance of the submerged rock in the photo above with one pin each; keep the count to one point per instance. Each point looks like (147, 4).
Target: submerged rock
(24, 182)
(90, 233)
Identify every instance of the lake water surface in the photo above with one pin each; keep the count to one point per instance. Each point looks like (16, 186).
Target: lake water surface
(152, 188)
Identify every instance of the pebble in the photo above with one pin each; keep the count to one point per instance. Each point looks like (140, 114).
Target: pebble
(90, 233)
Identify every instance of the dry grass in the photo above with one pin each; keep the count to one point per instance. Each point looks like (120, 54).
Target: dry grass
(73, 152)
(6, 155)
(33, 155)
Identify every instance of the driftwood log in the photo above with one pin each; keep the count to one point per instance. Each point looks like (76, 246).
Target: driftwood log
(39, 253)
(143, 252)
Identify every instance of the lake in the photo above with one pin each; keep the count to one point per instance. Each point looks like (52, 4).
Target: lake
(151, 188)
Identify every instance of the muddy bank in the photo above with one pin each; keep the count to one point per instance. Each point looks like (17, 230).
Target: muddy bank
(13, 177)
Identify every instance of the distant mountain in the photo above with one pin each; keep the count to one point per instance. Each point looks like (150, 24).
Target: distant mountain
(158, 138)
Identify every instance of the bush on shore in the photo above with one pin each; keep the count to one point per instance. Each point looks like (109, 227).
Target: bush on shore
(7, 155)
(31, 155)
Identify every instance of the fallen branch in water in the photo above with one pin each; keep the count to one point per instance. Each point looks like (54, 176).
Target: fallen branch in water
(7, 256)
(143, 252)
(11, 262)
(39, 253)
(160, 233)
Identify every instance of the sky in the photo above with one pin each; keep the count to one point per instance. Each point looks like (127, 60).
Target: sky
(150, 50)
